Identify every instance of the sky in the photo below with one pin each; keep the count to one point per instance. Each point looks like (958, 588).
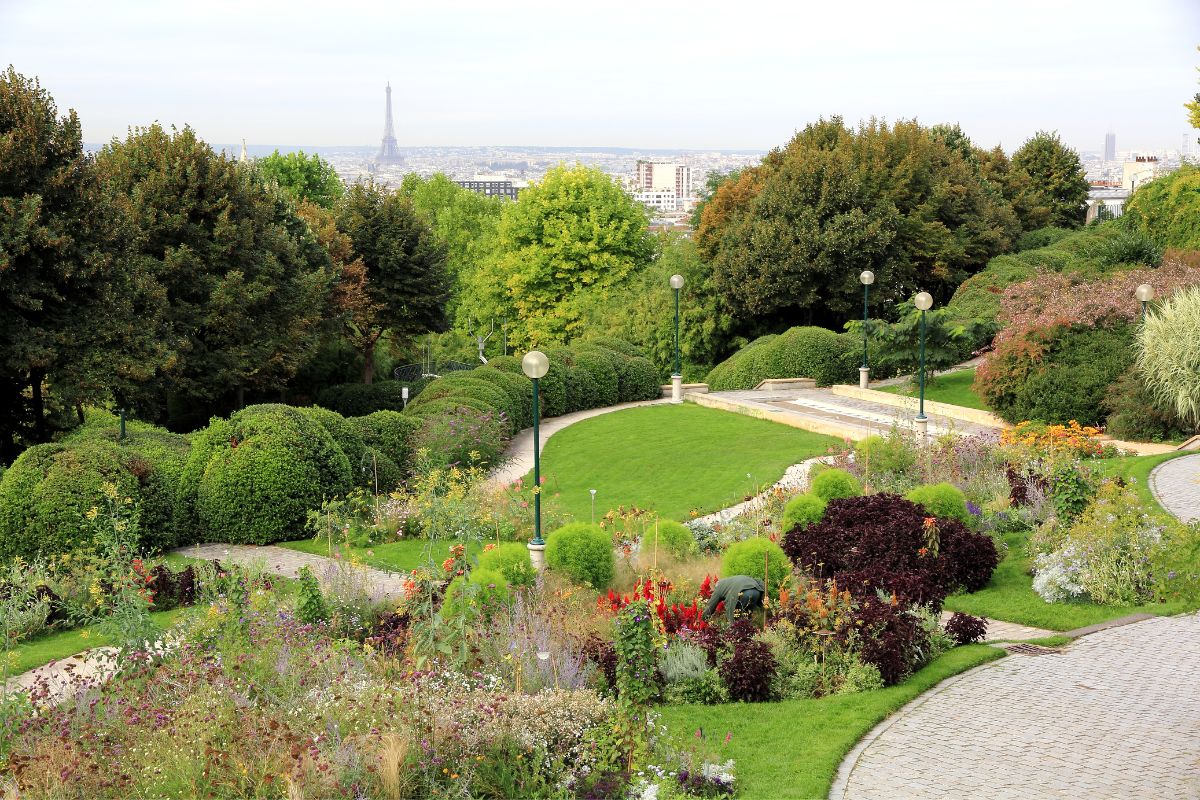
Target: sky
(694, 75)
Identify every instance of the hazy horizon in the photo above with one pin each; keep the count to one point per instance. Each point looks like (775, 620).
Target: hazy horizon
(708, 77)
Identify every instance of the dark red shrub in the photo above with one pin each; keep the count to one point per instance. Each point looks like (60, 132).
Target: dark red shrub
(879, 542)
(602, 653)
(389, 633)
(748, 670)
(185, 585)
(887, 636)
(161, 581)
(965, 629)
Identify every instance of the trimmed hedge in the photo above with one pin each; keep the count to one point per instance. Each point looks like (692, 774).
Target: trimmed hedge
(638, 380)
(757, 557)
(601, 366)
(360, 399)
(448, 405)
(518, 388)
(584, 552)
(943, 501)
(254, 477)
(802, 352)
(511, 560)
(803, 510)
(834, 484)
(510, 364)
(465, 385)
(390, 436)
(344, 432)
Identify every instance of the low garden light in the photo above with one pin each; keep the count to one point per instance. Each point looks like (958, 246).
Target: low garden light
(866, 278)
(1144, 293)
(536, 365)
(677, 374)
(924, 302)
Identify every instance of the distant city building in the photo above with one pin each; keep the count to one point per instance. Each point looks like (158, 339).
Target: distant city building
(658, 199)
(494, 186)
(663, 175)
(1140, 170)
(389, 151)
(1106, 202)
(1110, 146)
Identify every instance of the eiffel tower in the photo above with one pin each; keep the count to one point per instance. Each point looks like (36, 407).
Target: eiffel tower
(389, 151)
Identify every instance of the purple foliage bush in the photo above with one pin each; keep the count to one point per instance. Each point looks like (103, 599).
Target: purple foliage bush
(886, 636)
(965, 629)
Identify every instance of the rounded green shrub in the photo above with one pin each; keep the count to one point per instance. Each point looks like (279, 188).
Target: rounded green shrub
(760, 558)
(942, 500)
(344, 432)
(584, 552)
(380, 473)
(801, 352)
(519, 390)
(449, 405)
(478, 594)
(389, 432)
(616, 345)
(510, 364)
(599, 365)
(803, 509)
(673, 537)
(834, 484)
(464, 385)
(254, 477)
(638, 379)
(879, 455)
(46, 493)
(511, 560)
(359, 399)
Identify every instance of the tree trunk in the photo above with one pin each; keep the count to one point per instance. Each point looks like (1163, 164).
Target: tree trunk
(40, 433)
(368, 353)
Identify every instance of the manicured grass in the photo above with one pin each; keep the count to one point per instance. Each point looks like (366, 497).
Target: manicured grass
(793, 748)
(670, 459)
(61, 644)
(1136, 470)
(401, 556)
(953, 388)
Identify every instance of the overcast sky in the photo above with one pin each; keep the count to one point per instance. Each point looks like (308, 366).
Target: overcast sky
(742, 74)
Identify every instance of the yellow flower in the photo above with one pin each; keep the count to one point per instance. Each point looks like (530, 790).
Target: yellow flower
(93, 512)
(109, 490)
(85, 633)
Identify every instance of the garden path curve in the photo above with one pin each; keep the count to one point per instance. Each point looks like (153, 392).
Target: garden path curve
(1116, 715)
(1176, 486)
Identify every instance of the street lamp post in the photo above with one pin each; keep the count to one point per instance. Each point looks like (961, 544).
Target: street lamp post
(677, 375)
(923, 301)
(864, 372)
(535, 365)
(1145, 293)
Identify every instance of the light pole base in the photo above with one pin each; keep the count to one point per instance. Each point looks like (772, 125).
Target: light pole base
(676, 388)
(537, 554)
(864, 377)
(922, 424)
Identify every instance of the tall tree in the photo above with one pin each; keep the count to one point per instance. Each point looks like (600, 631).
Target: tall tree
(563, 247)
(789, 238)
(1057, 180)
(405, 285)
(244, 277)
(304, 177)
(76, 320)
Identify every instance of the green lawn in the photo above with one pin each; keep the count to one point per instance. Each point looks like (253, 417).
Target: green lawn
(396, 556)
(1136, 470)
(671, 459)
(60, 644)
(793, 748)
(953, 388)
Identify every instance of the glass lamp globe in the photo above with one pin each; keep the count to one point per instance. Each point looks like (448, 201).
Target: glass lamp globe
(1145, 293)
(676, 281)
(535, 364)
(923, 301)
(867, 277)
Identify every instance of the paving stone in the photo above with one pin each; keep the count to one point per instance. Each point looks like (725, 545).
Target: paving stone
(1176, 486)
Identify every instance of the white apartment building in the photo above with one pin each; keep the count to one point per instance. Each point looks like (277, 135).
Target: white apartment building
(659, 199)
(652, 178)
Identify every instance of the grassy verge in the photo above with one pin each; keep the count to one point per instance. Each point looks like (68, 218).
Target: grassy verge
(671, 458)
(62, 644)
(396, 556)
(953, 388)
(1136, 470)
(792, 749)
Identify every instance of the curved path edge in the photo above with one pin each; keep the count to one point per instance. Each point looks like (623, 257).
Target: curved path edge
(1175, 484)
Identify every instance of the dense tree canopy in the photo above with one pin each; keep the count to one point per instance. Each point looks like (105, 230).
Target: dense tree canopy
(788, 239)
(1056, 181)
(304, 177)
(404, 285)
(243, 276)
(1167, 209)
(562, 249)
(76, 320)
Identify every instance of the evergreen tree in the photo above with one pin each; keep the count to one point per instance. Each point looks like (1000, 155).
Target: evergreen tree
(1057, 181)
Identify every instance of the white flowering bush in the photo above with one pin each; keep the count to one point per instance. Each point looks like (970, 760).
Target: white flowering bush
(1057, 575)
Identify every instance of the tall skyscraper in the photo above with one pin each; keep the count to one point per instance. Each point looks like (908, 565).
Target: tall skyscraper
(389, 151)
(1110, 146)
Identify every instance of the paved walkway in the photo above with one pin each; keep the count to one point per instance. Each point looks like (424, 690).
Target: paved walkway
(1116, 715)
(1176, 486)
(518, 456)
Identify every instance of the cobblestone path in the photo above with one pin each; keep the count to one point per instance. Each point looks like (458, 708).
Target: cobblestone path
(1116, 715)
(1176, 486)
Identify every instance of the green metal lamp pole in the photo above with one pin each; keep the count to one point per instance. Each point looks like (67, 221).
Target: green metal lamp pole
(923, 301)
(535, 365)
(677, 375)
(864, 372)
(1145, 293)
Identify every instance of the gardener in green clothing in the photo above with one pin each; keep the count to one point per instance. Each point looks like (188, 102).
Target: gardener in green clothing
(740, 593)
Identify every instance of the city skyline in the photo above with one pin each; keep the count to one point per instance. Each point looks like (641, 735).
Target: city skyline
(713, 78)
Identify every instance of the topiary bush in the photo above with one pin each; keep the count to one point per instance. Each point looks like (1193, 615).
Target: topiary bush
(448, 405)
(582, 551)
(253, 478)
(390, 437)
(359, 399)
(461, 435)
(345, 433)
(599, 366)
(942, 500)
(674, 537)
(461, 386)
(760, 558)
(519, 390)
(801, 352)
(511, 560)
(834, 484)
(638, 380)
(46, 493)
(510, 364)
(803, 510)
(724, 376)
(880, 542)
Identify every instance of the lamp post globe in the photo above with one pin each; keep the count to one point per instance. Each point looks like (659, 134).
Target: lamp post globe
(536, 365)
(866, 278)
(924, 302)
(1144, 293)
(677, 374)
